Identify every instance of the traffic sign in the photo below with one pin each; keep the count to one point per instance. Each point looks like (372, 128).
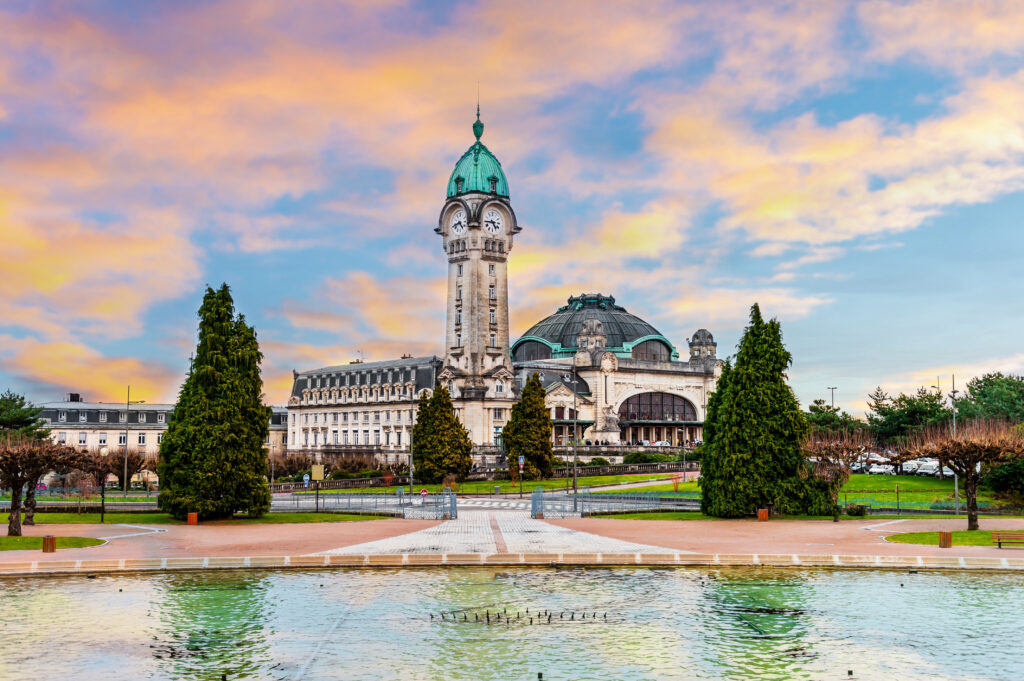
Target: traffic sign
(305, 479)
(423, 492)
(522, 459)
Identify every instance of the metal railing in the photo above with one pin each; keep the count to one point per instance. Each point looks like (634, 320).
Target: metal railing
(432, 506)
(561, 505)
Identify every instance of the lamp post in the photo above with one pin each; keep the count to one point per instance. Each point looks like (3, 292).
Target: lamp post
(833, 389)
(103, 486)
(575, 428)
(127, 409)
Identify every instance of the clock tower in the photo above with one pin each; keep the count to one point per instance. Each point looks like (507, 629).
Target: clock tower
(477, 226)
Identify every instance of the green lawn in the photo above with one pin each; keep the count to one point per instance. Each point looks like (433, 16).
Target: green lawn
(27, 543)
(877, 488)
(507, 486)
(164, 519)
(960, 538)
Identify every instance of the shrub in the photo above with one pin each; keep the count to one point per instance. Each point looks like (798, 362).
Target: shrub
(599, 461)
(1006, 479)
(856, 510)
(647, 457)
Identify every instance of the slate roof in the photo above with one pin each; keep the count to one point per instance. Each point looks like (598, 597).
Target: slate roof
(564, 325)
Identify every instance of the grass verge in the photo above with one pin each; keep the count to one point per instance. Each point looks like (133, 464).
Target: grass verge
(960, 538)
(164, 519)
(507, 486)
(29, 543)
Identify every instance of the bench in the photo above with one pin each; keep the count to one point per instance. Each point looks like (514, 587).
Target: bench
(1001, 538)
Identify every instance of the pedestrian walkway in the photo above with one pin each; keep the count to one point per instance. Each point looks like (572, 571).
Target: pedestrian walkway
(495, 504)
(496, 532)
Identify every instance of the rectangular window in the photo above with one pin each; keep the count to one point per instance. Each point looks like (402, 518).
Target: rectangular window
(366, 437)
(103, 417)
(387, 415)
(366, 416)
(458, 340)
(122, 439)
(494, 317)
(334, 417)
(103, 439)
(305, 418)
(497, 414)
(284, 438)
(122, 417)
(490, 269)
(398, 438)
(62, 416)
(376, 416)
(458, 317)
(305, 439)
(81, 439)
(344, 417)
(142, 438)
(460, 270)
(316, 418)
(81, 416)
(62, 438)
(490, 291)
(334, 433)
(458, 293)
(559, 412)
(376, 437)
(161, 417)
(142, 417)
(344, 438)
(387, 437)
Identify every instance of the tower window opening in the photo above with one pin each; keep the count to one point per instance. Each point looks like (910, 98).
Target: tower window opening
(501, 247)
(490, 268)
(460, 270)
(493, 316)
(493, 340)
(490, 291)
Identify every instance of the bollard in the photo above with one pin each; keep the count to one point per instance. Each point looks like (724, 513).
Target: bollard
(49, 544)
(762, 515)
(193, 518)
(945, 540)
(497, 490)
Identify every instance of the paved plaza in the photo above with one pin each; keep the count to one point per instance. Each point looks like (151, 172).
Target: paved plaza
(497, 532)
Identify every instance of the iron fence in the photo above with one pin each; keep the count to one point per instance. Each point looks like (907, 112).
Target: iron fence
(562, 505)
(431, 506)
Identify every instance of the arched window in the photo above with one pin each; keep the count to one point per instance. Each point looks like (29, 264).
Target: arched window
(653, 350)
(531, 350)
(499, 387)
(661, 407)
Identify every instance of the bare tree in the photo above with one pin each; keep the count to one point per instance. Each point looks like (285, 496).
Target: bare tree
(975, 445)
(23, 461)
(834, 452)
(137, 462)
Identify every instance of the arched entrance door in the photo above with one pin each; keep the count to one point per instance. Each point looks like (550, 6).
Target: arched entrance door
(658, 417)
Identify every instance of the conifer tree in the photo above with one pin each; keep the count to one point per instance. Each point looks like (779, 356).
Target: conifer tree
(212, 457)
(441, 445)
(753, 433)
(18, 417)
(528, 433)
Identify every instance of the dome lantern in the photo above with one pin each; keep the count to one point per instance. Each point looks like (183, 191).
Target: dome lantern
(478, 170)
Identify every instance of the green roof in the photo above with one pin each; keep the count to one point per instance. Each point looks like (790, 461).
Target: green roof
(478, 169)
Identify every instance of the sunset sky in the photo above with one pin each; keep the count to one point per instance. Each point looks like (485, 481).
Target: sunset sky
(856, 168)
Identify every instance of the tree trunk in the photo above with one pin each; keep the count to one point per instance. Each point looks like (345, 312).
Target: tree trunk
(30, 504)
(971, 492)
(14, 522)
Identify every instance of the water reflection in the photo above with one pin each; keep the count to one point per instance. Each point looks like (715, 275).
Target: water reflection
(209, 624)
(511, 624)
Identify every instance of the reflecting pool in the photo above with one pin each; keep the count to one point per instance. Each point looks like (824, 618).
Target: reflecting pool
(470, 623)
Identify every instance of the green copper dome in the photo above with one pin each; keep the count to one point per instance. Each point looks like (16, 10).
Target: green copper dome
(478, 170)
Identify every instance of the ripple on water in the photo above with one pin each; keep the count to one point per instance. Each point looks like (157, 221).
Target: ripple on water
(649, 624)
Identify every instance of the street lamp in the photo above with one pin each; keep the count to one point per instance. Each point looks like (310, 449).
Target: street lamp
(833, 389)
(575, 429)
(127, 409)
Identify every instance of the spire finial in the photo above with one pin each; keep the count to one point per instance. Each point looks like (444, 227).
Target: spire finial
(478, 127)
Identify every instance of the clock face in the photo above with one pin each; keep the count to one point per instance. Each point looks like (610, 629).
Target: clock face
(458, 222)
(492, 221)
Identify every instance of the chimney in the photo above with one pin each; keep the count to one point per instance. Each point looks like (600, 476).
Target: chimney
(74, 397)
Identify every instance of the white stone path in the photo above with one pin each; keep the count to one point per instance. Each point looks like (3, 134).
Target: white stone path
(473, 532)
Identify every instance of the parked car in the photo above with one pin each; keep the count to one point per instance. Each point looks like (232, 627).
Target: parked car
(881, 469)
(910, 467)
(875, 457)
(946, 471)
(662, 443)
(930, 468)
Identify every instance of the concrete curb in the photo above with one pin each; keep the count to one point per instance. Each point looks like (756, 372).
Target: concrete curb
(128, 565)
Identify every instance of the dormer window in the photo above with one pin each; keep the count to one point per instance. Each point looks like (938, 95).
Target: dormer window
(493, 180)
(458, 184)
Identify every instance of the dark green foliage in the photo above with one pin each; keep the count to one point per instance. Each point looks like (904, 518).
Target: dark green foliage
(993, 396)
(821, 416)
(648, 457)
(856, 510)
(893, 419)
(212, 458)
(753, 430)
(528, 433)
(599, 461)
(440, 443)
(19, 417)
(1007, 479)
